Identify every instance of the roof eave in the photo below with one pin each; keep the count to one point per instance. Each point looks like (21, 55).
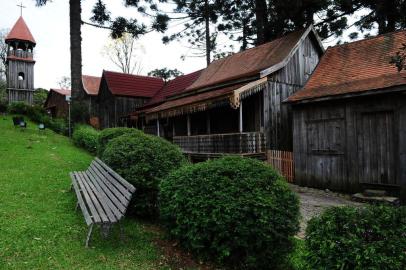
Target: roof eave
(392, 89)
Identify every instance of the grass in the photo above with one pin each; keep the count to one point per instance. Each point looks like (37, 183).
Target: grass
(39, 228)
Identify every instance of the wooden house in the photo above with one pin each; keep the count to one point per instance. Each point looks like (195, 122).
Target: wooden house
(56, 103)
(349, 120)
(91, 85)
(120, 94)
(234, 106)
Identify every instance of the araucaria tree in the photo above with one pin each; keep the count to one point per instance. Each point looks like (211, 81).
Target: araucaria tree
(165, 73)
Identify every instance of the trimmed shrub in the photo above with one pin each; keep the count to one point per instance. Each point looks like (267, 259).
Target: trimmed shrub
(58, 125)
(143, 160)
(235, 211)
(86, 137)
(373, 237)
(3, 107)
(110, 133)
(18, 108)
(36, 113)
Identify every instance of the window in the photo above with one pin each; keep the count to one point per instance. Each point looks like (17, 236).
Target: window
(21, 76)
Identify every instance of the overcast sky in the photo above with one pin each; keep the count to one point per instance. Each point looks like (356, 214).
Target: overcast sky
(50, 28)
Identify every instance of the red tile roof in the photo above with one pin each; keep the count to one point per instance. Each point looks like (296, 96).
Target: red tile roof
(175, 86)
(63, 92)
(91, 84)
(122, 84)
(356, 67)
(20, 31)
(248, 63)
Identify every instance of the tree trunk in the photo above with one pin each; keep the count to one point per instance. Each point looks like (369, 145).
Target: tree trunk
(207, 22)
(261, 21)
(75, 10)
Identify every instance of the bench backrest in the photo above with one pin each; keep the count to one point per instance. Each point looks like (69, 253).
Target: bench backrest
(118, 192)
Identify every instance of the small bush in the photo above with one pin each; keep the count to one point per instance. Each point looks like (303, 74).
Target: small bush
(58, 125)
(18, 108)
(108, 134)
(143, 160)
(373, 237)
(36, 113)
(86, 137)
(3, 106)
(235, 211)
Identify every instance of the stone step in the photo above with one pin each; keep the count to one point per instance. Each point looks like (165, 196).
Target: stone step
(360, 197)
(374, 193)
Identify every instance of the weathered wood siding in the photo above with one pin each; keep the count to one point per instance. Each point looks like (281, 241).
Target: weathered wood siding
(282, 84)
(348, 144)
(20, 90)
(56, 104)
(112, 108)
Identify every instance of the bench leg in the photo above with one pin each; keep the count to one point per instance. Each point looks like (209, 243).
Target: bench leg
(77, 206)
(121, 231)
(105, 230)
(89, 234)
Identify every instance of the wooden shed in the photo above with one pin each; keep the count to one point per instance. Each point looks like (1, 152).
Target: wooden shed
(120, 94)
(56, 103)
(349, 120)
(234, 106)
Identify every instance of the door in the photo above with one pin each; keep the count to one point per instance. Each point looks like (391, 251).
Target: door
(377, 148)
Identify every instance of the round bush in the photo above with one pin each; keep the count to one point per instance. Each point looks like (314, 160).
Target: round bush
(143, 160)
(235, 211)
(86, 137)
(110, 133)
(373, 237)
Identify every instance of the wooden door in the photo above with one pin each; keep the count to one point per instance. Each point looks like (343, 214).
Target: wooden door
(377, 148)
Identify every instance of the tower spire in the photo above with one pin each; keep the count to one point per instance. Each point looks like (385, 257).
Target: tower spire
(21, 8)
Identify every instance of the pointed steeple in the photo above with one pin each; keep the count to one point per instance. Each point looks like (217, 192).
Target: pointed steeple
(20, 32)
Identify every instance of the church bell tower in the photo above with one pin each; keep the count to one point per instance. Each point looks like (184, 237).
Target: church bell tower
(20, 63)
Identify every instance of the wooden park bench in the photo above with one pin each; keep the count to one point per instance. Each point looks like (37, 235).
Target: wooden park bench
(103, 197)
(17, 120)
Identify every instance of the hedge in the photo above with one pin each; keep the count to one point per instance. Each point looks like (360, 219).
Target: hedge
(235, 211)
(143, 160)
(108, 134)
(372, 237)
(86, 137)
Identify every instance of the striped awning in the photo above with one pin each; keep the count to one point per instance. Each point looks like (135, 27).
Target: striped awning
(246, 91)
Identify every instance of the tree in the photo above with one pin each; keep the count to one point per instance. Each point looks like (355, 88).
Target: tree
(165, 73)
(3, 52)
(75, 11)
(40, 96)
(399, 60)
(65, 83)
(123, 53)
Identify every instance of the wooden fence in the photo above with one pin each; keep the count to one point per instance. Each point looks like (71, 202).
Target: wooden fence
(283, 162)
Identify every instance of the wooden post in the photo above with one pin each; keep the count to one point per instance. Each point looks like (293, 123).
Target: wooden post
(173, 129)
(208, 124)
(240, 123)
(189, 131)
(157, 128)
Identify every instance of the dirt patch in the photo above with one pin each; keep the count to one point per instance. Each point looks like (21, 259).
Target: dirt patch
(314, 201)
(173, 255)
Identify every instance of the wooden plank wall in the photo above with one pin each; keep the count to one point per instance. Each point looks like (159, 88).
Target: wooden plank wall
(282, 84)
(14, 68)
(283, 162)
(345, 145)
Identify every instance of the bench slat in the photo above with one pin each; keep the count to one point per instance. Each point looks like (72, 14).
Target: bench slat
(95, 197)
(119, 202)
(89, 201)
(109, 208)
(128, 186)
(123, 191)
(82, 204)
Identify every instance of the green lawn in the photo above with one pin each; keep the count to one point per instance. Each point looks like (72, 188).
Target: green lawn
(39, 228)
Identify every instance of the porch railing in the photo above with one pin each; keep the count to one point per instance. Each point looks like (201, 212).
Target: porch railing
(232, 143)
(282, 161)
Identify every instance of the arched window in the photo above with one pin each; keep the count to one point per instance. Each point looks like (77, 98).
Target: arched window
(21, 76)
